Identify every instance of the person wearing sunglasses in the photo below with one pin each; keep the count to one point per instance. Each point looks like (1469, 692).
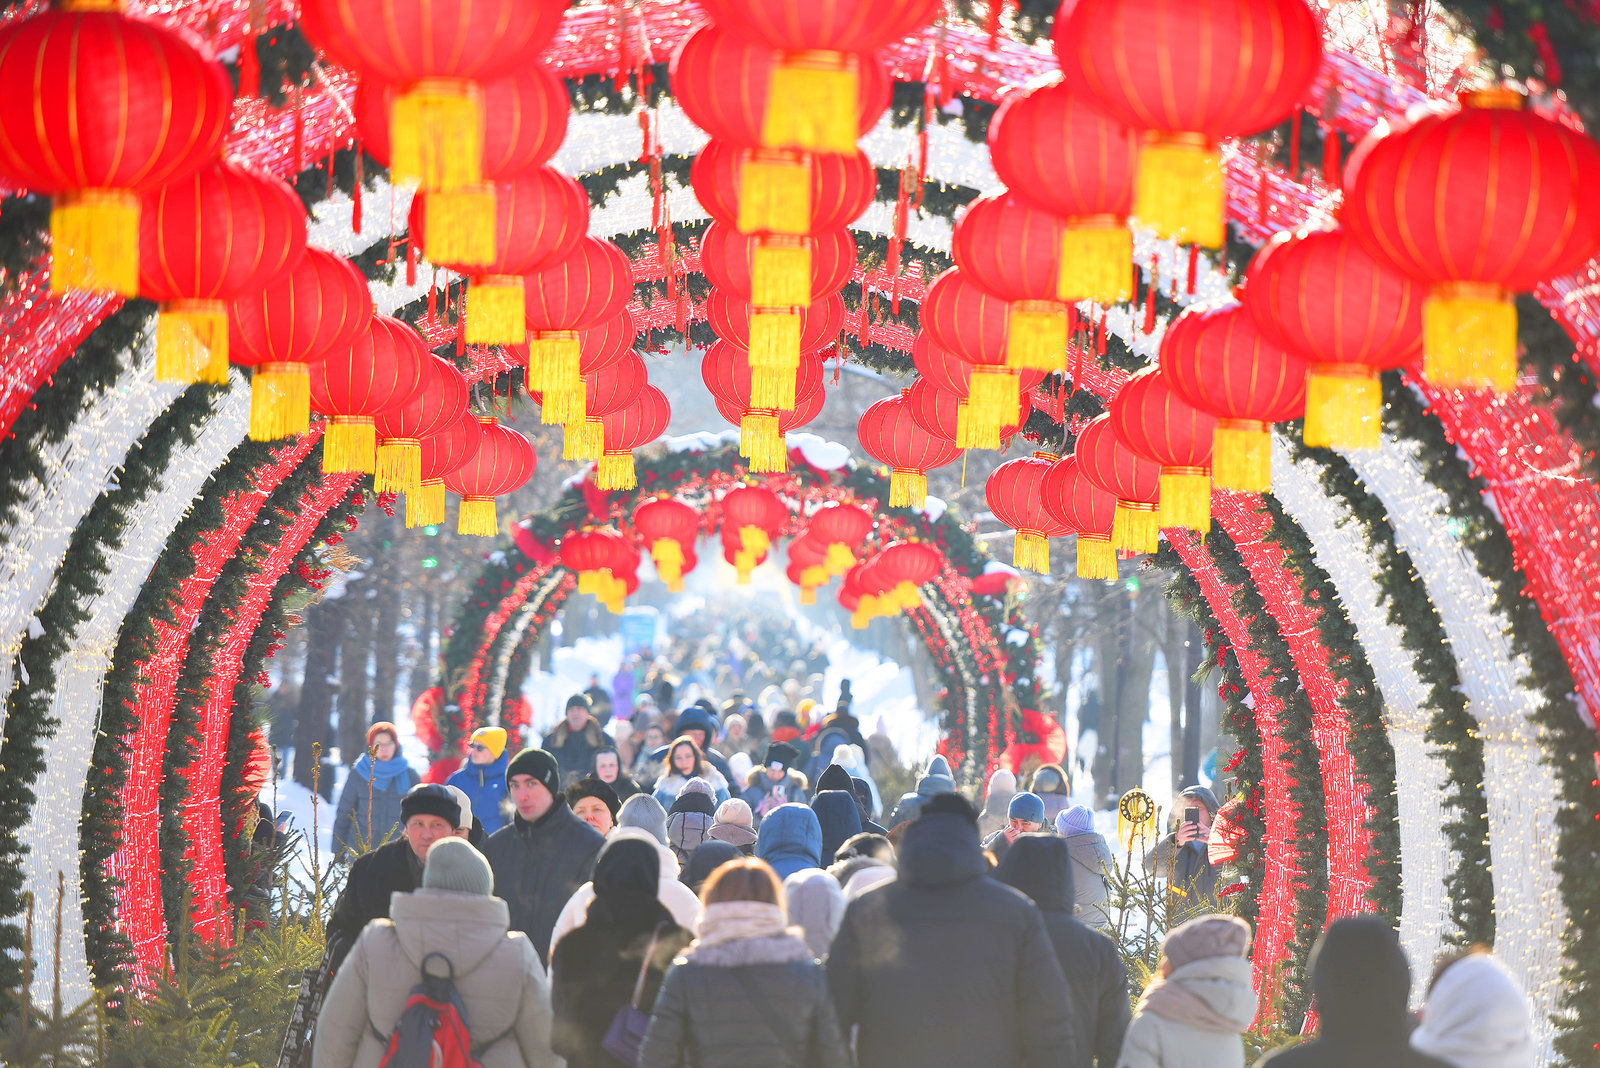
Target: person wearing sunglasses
(483, 777)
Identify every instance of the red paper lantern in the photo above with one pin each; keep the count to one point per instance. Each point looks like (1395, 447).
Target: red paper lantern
(777, 271)
(602, 559)
(636, 423)
(593, 282)
(1132, 480)
(204, 239)
(1015, 494)
(540, 216)
(726, 371)
(1216, 359)
(438, 404)
(840, 528)
(604, 391)
(600, 345)
(976, 326)
(890, 435)
(503, 463)
(97, 109)
(945, 415)
(903, 567)
(752, 517)
(777, 339)
(1060, 153)
(440, 454)
(1320, 294)
(1189, 75)
(841, 25)
(1014, 251)
(1478, 203)
(807, 567)
(1153, 421)
(1040, 741)
(1085, 508)
(779, 191)
(951, 373)
(668, 528)
(743, 563)
(318, 306)
(381, 370)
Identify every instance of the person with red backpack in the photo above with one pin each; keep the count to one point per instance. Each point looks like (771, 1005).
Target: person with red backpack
(442, 983)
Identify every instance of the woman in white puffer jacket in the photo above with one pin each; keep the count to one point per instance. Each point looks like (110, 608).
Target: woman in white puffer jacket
(1193, 1012)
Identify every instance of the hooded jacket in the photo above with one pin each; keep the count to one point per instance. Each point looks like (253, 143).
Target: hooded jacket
(497, 973)
(670, 891)
(790, 839)
(946, 967)
(1002, 787)
(1217, 1004)
(758, 789)
(1361, 981)
(1097, 983)
(485, 787)
(937, 780)
(815, 904)
(538, 865)
(1091, 859)
(840, 818)
(1476, 1017)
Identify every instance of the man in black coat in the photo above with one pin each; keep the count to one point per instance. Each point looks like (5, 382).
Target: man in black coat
(545, 854)
(1040, 865)
(575, 740)
(945, 966)
(428, 812)
(1361, 981)
(1181, 857)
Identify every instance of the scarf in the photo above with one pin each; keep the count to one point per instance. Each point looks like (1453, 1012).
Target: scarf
(733, 921)
(382, 773)
(1228, 1004)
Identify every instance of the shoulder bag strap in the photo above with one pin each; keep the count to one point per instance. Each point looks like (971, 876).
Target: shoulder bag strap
(644, 966)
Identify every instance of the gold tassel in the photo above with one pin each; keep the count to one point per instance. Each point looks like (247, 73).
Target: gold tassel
(757, 428)
(840, 558)
(770, 455)
(1186, 498)
(564, 407)
(280, 401)
(1469, 337)
(436, 137)
(399, 467)
(907, 595)
(461, 226)
(754, 541)
(772, 387)
(350, 443)
(590, 581)
(991, 404)
(1179, 191)
(1096, 558)
(775, 192)
(495, 311)
(780, 272)
(1136, 527)
(1344, 407)
(1031, 552)
(1241, 456)
(553, 363)
(425, 507)
(813, 576)
(668, 556)
(614, 471)
(584, 441)
(94, 241)
(477, 516)
(867, 608)
(859, 619)
(808, 595)
(811, 102)
(774, 338)
(1096, 261)
(972, 434)
(188, 336)
(908, 488)
(1036, 335)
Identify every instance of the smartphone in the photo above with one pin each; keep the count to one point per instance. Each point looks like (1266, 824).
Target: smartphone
(1191, 815)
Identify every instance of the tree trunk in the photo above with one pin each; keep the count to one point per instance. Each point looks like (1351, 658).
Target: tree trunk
(324, 630)
(354, 655)
(1111, 618)
(386, 649)
(1175, 657)
(1193, 708)
(422, 670)
(1133, 687)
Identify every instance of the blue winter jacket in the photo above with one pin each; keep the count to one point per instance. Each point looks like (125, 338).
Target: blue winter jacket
(790, 839)
(485, 787)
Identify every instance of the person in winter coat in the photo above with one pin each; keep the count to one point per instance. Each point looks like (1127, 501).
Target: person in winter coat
(816, 906)
(429, 812)
(644, 812)
(497, 973)
(935, 781)
(679, 899)
(1097, 983)
(545, 854)
(1361, 981)
(1476, 1016)
(711, 855)
(790, 839)
(690, 819)
(684, 761)
(839, 817)
(698, 723)
(1193, 1011)
(1002, 785)
(483, 777)
(835, 777)
(369, 805)
(748, 991)
(775, 782)
(1181, 857)
(1050, 783)
(595, 967)
(865, 850)
(735, 825)
(943, 965)
(595, 803)
(1091, 860)
(575, 740)
(608, 769)
(1024, 815)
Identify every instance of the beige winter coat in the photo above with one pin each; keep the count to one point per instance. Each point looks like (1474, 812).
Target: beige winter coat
(1196, 1021)
(498, 975)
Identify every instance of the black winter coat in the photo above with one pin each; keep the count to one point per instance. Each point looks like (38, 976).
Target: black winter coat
(1040, 865)
(374, 878)
(760, 1001)
(592, 974)
(538, 866)
(945, 966)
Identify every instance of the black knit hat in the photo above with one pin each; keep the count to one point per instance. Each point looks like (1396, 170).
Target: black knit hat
(541, 765)
(781, 753)
(579, 700)
(593, 787)
(430, 799)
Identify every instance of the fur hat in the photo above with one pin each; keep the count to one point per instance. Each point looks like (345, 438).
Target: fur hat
(453, 864)
(465, 803)
(430, 799)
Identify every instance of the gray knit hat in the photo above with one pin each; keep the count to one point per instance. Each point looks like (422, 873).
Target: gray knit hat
(453, 864)
(644, 812)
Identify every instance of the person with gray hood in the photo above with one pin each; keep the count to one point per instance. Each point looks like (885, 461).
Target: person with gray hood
(816, 905)
(1091, 860)
(1181, 859)
(1201, 1000)
(497, 971)
(935, 781)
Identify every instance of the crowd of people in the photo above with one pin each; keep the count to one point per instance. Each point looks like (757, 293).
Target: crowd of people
(626, 898)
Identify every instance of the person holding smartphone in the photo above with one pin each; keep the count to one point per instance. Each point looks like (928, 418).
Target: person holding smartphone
(1180, 858)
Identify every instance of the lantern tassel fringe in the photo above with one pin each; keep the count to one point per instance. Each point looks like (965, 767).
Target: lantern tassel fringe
(477, 516)
(399, 468)
(1179, 191)
(436, 137)
(840, 558)
(280, 401)
(192, 341)
(1241, 456)
(775, 193)
(461, 226)
(553, 365)
(1186, 498)
(1036, 336)
(350, 444)
(812, 103)
(908, 488)
(583, 441)
(495, 311)
(425, 507)
(94, 241)
(1344, 410)
(1096, 264)
(780, 273)
(614, 471)
(1096, 558)
(1031, 552)
(1135, 528)
(667, 555)
(1469, 340)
